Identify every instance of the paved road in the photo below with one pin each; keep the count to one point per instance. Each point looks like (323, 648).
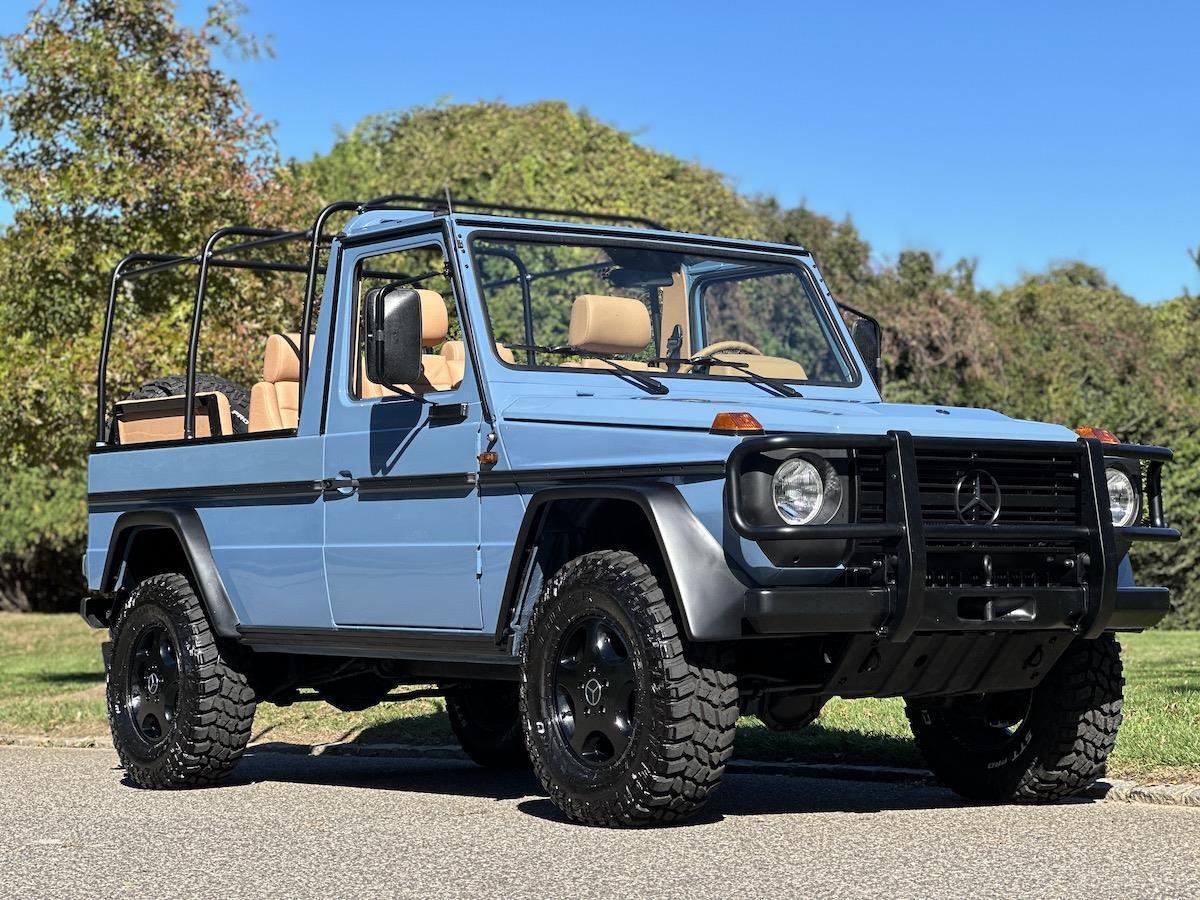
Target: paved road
(289, 825)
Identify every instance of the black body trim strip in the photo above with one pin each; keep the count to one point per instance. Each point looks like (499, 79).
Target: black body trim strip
(385, 642)
(605, 473)
(207, 492)
(237, 492)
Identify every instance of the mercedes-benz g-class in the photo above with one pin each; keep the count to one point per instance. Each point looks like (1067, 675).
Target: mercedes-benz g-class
(607, 487)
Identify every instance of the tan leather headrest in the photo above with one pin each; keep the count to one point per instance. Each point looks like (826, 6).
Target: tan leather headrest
(609, 324)
(456, 351)
(434, 321)
(281, 362)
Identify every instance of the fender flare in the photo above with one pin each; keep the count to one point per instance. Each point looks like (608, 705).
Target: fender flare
(703, 581)
(188, 528)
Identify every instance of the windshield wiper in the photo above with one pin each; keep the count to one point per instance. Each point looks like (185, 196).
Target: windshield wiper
(771, 385)
(645, 382)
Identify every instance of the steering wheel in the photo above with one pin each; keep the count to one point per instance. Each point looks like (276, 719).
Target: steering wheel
(726, 347)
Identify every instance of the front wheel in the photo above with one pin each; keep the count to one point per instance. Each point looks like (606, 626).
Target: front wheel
(1033, 746)
(625, 723)
(180, 710)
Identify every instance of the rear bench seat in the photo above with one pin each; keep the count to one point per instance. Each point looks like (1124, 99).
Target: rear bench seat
(160, 419)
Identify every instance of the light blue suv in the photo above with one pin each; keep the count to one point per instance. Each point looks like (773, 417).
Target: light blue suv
(608, 487)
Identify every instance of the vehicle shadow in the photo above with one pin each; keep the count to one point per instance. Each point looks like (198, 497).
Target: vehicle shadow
(272, 762)
(739, 795)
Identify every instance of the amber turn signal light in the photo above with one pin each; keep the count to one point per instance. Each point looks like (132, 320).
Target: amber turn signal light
(1103, 435)
(735, 423)
(488, 458)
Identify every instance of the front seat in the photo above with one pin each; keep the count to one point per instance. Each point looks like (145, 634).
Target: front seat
(609, 325)
(275, 401)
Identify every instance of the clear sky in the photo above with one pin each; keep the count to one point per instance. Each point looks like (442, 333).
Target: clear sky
(1016, 134)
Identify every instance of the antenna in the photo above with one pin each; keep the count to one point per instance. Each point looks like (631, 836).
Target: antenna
(449, 202)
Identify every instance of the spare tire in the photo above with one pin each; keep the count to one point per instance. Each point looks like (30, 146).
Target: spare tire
(176, 385)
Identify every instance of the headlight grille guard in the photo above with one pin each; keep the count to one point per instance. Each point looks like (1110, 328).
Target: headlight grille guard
(904, 530)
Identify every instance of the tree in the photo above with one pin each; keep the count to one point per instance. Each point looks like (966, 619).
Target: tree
(539, 154)
(124, 135)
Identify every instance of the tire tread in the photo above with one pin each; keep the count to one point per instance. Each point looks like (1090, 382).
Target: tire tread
(204, 749)
(682, 770)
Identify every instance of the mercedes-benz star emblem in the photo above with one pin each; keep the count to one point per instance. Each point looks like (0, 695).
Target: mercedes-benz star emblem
(152, 682)
(977, 498)
(591, 692)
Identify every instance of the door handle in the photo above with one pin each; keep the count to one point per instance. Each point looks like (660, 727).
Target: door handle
(345, 484)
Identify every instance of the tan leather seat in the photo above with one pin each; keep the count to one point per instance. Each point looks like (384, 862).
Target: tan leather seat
(161, 418)
(769, 366)
(437, 371)
(275, 401)
(613, 325)
(455, 353)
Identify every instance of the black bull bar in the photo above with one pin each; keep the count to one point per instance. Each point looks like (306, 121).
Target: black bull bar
(903, 603)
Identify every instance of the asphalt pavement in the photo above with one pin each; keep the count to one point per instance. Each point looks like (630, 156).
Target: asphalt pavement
(287, 825)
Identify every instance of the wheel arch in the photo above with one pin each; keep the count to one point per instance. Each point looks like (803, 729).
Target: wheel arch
(650, 518)
(174, 539)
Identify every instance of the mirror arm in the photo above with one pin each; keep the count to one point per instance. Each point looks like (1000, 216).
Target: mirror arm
(405, 392)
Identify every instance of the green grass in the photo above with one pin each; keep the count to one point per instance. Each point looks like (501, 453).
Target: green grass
(51, 686)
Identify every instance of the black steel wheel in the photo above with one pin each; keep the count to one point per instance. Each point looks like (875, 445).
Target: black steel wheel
(180, 705)
(152, 683)
(625, 722)
(595, 691)
(1030, 746)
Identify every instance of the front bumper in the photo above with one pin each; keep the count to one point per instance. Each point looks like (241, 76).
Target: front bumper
(901, 600)
(858, 610)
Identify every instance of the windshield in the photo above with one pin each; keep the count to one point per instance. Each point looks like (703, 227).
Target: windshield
(563, 305)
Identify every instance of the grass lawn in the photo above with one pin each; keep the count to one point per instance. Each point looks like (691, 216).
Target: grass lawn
(52, 686)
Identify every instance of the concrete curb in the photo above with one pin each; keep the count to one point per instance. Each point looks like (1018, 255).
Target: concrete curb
(1116, 791)
(1110, 790)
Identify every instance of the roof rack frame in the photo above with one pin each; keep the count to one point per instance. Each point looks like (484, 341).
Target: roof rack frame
(443, 205)
(135, 265)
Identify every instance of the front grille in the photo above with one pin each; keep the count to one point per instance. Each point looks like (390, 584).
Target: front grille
(1035, 488)
(1040, 490)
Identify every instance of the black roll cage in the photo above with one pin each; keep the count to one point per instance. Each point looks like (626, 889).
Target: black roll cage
(135, 265)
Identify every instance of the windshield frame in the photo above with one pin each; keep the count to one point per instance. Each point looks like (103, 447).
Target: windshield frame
(822, 302)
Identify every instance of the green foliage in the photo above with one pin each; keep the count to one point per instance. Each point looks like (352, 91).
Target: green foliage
(541, 154)
(123, 135)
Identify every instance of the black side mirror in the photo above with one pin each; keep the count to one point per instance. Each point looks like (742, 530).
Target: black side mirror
(393, 335)
(868, 340)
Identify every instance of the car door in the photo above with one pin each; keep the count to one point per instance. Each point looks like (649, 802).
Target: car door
(402, 504)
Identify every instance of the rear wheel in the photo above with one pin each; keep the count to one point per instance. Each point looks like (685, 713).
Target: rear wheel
(181, 711)
(1033, 746)
(626, 724)
(486, 720)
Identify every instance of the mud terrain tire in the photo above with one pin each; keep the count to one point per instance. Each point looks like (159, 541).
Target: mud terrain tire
(625, 722)
(176, 385)
(181, 712)
(1058, 748)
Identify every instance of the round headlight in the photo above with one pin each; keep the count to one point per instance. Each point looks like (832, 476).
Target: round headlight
(1122, 498)
(801, 492)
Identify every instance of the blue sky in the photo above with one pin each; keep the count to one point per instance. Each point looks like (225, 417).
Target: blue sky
(1017, 134)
